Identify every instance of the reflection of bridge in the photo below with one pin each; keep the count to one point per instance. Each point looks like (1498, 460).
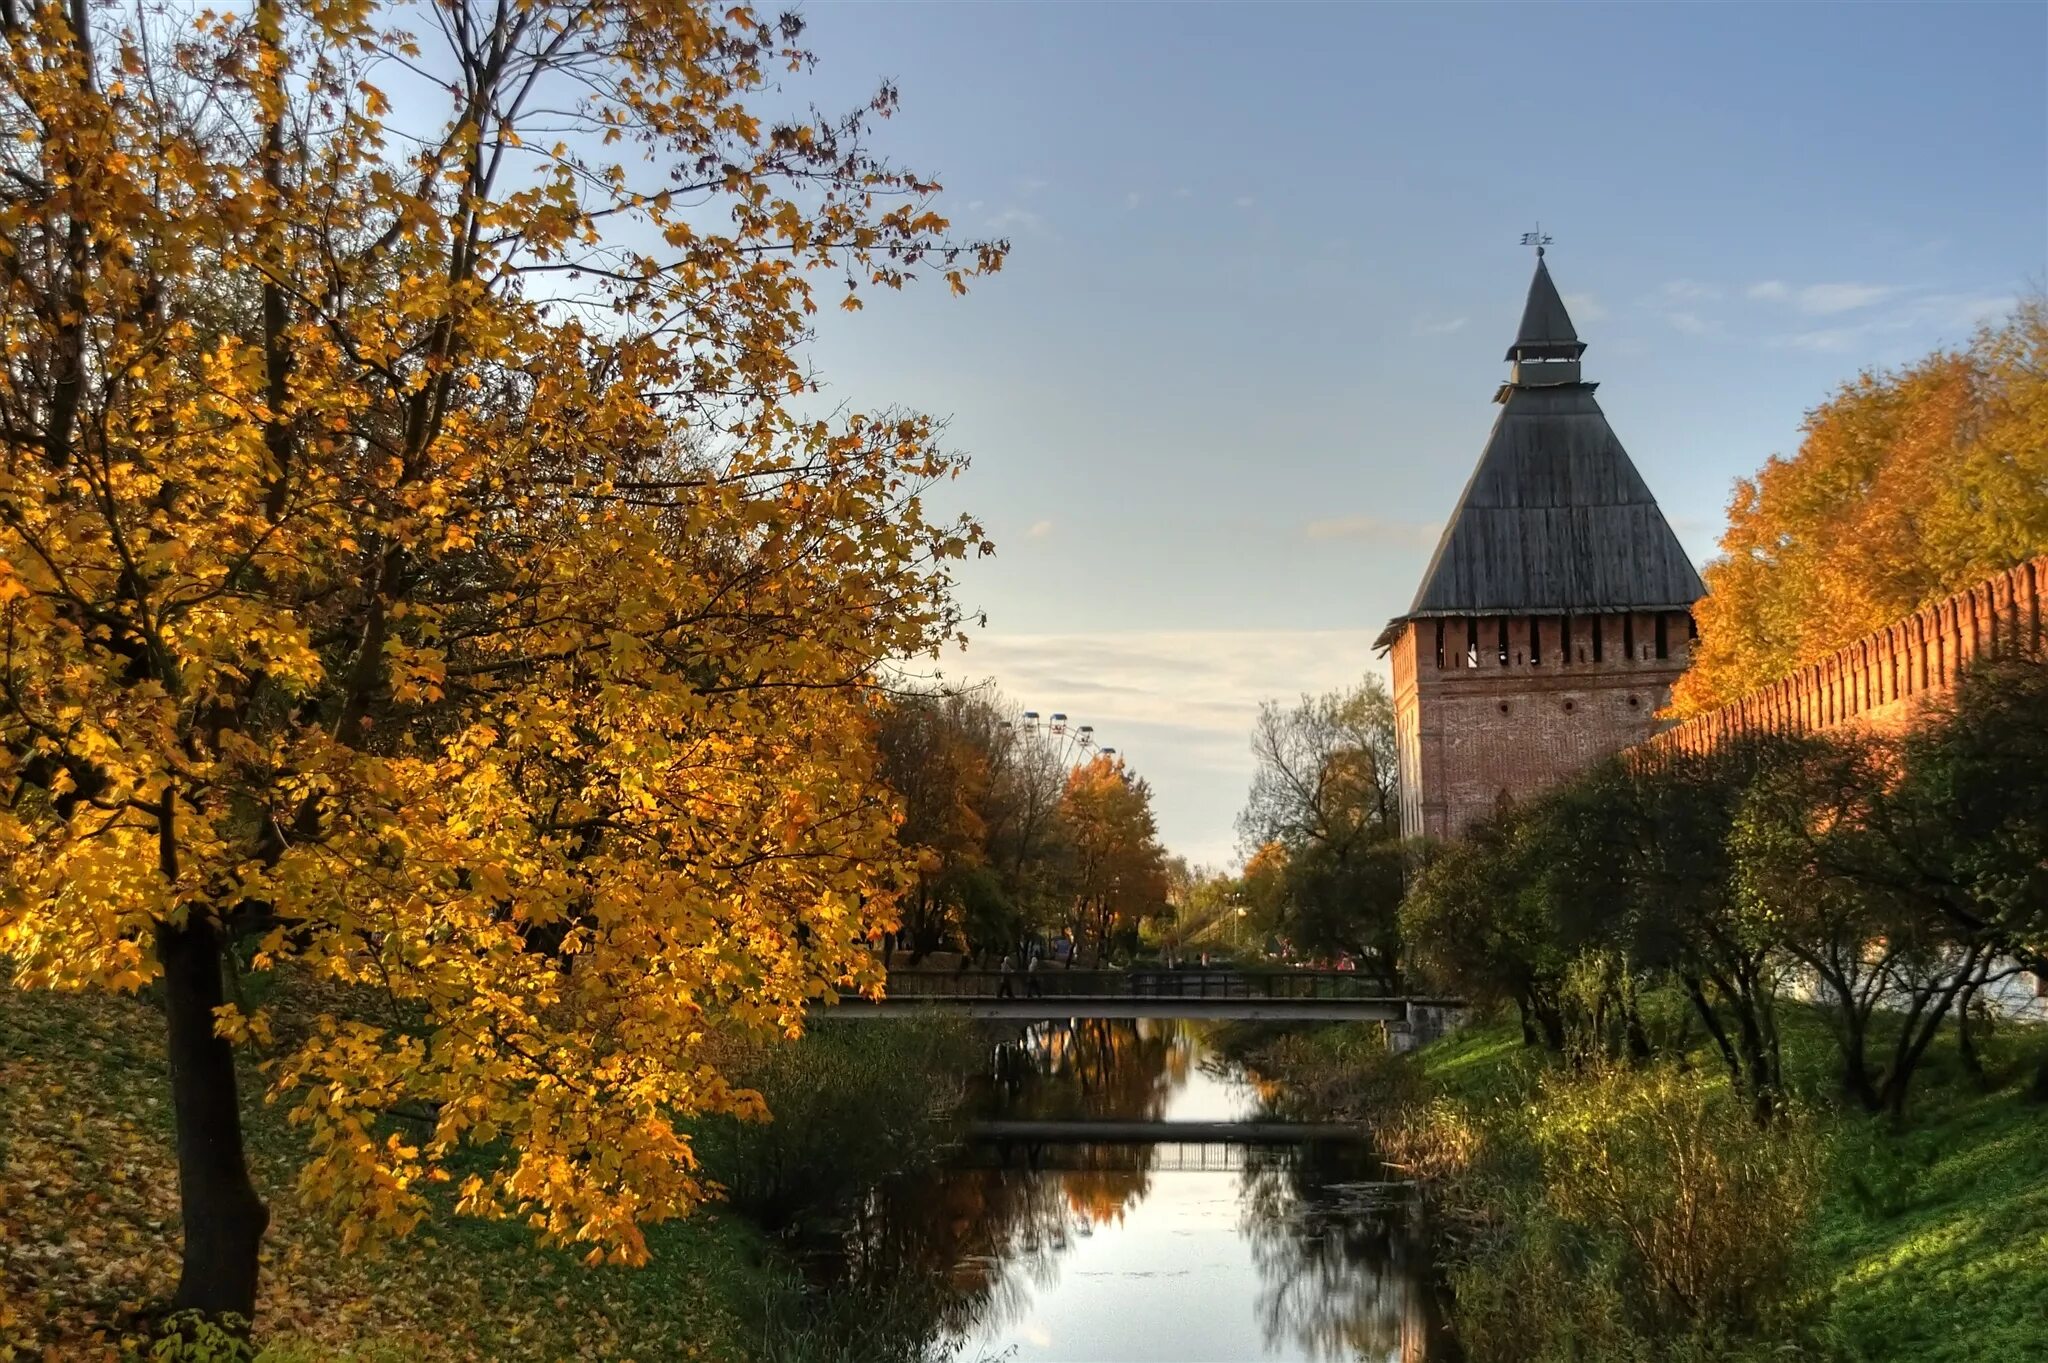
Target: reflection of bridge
(1174, 1157)
(1108, 1131)
(1054, 992)
(1068, 1156)
(1110, 1144)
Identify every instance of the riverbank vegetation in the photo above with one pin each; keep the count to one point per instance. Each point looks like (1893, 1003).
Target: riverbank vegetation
(87, 1200)
(1603, 1211)
(1771, 1072)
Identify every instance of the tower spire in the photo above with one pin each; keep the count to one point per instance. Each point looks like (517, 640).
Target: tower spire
(1546, 332)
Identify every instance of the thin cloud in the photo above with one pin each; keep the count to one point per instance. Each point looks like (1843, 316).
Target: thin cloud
(1826, 340)
(1584, 307)
(1823, 300)
(1691, 323)
(1692, 291)
(1039, 530)
(1926, 318)
(1133, 199)
(1768, 291)
(1428, 326)
(1015, 219)
(1243, 201)
(1407, 534)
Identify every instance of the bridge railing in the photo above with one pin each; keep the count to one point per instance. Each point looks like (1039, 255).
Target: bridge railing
(1140, 983)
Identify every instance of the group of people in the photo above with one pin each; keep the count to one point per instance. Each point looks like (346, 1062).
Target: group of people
(1006, 986)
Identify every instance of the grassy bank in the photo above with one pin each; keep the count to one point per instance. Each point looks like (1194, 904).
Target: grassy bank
(1926, 1241)
(89, 1213)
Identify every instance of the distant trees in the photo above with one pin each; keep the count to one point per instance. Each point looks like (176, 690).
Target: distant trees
(1322, 823)
(1891, 879)
(1117, 868)
(1007, 840)
(1908, 485)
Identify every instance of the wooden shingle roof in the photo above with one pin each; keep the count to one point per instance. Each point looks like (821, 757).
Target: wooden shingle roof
(1555, 519)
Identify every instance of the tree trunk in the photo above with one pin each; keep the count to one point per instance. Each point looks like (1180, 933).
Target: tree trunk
(1639, 1047)
(1696, 992)
(1856, 1058)
(1914, 1039)
(1966, 1039)
(224, 1218)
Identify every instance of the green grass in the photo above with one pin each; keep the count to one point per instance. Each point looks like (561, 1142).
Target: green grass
(1935, 1237)
(1931, 1242)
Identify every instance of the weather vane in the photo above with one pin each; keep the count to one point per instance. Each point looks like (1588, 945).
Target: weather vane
(1536, 239)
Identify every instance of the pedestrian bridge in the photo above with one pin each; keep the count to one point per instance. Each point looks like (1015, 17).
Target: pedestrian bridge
(1272, 995)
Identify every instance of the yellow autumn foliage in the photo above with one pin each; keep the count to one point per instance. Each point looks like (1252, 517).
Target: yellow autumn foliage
(423, 570)
(1908, 485)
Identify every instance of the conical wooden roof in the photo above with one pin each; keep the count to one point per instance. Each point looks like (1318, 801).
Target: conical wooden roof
(1546, 332)
(1555, 519)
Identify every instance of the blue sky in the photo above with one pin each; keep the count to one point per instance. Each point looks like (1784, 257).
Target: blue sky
(1265, 267)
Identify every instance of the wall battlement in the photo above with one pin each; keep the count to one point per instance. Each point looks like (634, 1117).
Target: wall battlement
(1880, 679)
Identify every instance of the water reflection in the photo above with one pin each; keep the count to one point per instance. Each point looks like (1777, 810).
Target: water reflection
(1342, 1274)
(1119, 1253)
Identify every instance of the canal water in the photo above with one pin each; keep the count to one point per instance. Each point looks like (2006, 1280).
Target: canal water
(1180, 1253)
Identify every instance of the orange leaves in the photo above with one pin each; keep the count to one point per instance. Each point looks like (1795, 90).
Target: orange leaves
(1906, 486)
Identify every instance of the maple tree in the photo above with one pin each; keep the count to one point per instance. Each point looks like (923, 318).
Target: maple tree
(420, 576)
(1117, 868)
(1907, 486)
(943, 777)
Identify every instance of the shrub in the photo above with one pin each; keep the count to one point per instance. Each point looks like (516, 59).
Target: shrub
(1532, 1297)
(1704, 1210)
(848, 1105)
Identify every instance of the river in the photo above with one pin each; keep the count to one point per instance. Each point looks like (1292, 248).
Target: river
(1072, 1253)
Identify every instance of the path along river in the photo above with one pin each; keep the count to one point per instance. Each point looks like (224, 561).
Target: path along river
(1129, 1253)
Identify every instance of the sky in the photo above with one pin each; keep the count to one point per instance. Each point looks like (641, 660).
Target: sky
(1265, 267)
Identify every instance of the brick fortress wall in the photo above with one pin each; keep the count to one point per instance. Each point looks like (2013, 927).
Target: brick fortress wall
(1880, 679)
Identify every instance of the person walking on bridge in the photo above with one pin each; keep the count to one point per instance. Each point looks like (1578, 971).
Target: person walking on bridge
(1006, 985)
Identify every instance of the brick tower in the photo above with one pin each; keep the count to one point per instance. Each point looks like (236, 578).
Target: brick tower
(1557, 609)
